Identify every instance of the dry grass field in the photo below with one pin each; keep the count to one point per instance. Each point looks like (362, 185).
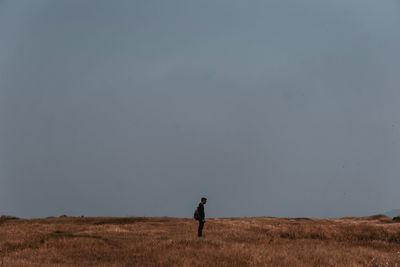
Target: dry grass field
(72, 241)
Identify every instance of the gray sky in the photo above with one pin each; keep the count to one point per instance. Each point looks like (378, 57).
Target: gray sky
(280, 108)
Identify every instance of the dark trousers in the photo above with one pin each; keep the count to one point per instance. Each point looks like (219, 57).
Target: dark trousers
(200, 229)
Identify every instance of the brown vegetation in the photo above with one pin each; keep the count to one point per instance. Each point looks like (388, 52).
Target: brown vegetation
(67, 241)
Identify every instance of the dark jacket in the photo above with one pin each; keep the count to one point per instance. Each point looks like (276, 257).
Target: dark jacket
(200, 209)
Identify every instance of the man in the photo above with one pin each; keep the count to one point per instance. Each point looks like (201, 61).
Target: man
(202, 216)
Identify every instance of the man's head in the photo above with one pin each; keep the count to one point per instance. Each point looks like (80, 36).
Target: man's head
(203, 200)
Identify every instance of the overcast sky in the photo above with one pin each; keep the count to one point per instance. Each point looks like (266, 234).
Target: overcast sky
(139, 108)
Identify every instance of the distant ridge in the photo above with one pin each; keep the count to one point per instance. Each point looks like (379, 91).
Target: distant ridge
(4, 218)
(393, 213)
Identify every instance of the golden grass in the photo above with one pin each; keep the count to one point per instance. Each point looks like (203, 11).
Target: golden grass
(371, 241)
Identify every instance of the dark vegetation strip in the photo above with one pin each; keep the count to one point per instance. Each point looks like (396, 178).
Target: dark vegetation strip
(36, 243)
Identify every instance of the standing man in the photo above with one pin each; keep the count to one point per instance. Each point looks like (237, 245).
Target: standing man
(201, 216)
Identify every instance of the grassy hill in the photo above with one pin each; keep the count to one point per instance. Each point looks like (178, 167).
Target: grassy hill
(68, 241)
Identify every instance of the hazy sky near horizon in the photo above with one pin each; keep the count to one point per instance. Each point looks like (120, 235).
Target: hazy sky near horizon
(279, 108)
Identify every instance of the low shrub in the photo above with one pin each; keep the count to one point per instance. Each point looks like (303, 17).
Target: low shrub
(396, 219)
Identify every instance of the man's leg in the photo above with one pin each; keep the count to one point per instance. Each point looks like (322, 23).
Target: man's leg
(200, 230)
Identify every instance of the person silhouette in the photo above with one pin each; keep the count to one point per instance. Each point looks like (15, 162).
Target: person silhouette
(201, 216)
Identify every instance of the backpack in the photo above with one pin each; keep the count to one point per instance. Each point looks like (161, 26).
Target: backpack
(196, 215)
